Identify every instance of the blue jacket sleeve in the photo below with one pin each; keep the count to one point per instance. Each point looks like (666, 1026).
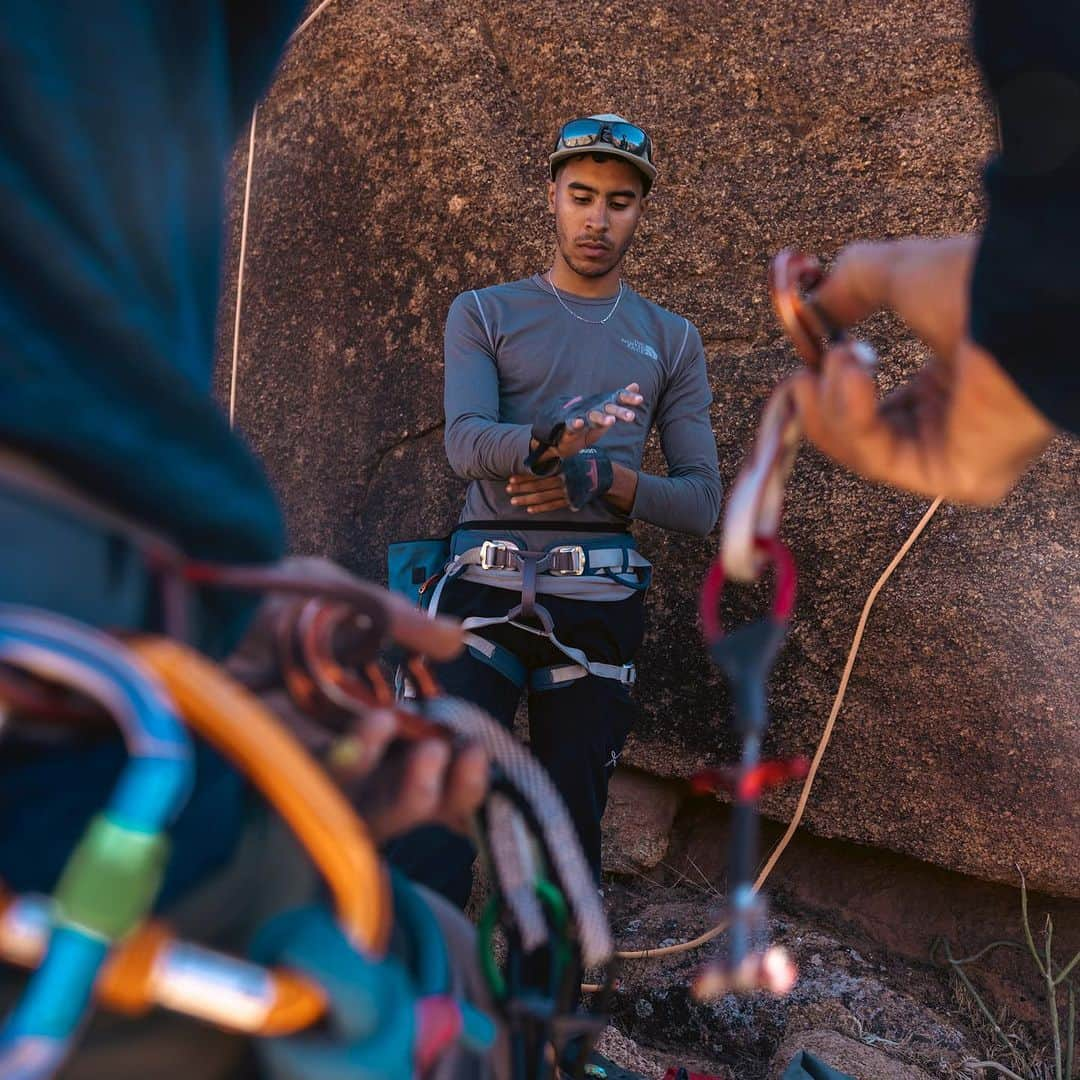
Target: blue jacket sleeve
(1025, 291)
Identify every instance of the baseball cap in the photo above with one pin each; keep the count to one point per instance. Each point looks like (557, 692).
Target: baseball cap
(605, 133)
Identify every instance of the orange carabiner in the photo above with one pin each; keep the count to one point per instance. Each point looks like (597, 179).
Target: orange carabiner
(236, 723)
(792, 278)
(151, 967)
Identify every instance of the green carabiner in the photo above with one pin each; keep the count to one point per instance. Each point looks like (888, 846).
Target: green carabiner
(555, 903)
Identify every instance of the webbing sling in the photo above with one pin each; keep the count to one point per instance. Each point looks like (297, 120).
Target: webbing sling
(619, 564)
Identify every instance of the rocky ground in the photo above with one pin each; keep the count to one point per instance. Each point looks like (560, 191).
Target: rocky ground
(861, 923)
(859, 1008)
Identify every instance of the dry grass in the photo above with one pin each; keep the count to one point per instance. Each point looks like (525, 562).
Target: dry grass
(1026, 1057)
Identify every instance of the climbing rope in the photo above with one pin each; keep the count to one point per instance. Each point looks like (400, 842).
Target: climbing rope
(244, 226)
(240, 269)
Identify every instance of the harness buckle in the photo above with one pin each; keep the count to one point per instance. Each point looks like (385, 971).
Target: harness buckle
(494, 555)
(577, 562)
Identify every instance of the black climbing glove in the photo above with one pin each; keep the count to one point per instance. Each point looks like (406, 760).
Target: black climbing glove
(588, 475)
(552, 420)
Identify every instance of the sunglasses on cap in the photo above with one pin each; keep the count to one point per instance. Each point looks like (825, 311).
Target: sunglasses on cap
(579, 134)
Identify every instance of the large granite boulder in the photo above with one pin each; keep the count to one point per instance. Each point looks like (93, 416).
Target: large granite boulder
(399, 159)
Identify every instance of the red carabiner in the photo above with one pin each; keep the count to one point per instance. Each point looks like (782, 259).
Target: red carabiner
(783, 602)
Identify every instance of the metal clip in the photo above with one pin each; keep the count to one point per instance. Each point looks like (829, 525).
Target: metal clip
(577, 560)
(489, 557)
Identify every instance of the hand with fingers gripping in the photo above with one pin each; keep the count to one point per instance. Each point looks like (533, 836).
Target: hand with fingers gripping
(565, 469)
(394, 784)
(569, 424)
(960, 427)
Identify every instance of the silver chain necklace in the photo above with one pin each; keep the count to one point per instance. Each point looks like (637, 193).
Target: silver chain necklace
(570, 310)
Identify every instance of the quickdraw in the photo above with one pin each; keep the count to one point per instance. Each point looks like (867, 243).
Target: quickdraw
(750, 544)
(746, 657)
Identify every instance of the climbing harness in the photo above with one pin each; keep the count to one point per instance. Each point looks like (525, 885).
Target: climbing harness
(502, 559)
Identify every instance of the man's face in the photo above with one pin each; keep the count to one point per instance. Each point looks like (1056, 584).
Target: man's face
(597, 206)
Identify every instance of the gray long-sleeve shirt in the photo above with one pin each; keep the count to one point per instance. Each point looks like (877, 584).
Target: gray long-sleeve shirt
(512, 347)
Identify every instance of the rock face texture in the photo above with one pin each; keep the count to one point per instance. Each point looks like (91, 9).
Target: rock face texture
(638, 821)
(853, 1058)
(399, 159)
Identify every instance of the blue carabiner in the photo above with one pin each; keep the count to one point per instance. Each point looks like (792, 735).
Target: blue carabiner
(113, 876)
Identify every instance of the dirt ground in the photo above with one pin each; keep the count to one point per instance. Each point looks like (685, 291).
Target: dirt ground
(913, 1019)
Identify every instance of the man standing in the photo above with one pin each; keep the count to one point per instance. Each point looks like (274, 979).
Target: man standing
(543, 569)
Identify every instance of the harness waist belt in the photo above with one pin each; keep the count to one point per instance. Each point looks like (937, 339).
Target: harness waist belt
(563, 559)
(619, 563)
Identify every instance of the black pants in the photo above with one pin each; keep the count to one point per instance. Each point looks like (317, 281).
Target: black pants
(577, 731)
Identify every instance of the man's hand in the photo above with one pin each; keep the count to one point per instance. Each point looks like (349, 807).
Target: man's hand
(583, 432)
(960, 427)
(538, 494)
(395, 785)
(542, 494)
(579, 434)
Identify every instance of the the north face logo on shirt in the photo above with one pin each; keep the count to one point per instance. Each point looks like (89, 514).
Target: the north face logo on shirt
(641, 347)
